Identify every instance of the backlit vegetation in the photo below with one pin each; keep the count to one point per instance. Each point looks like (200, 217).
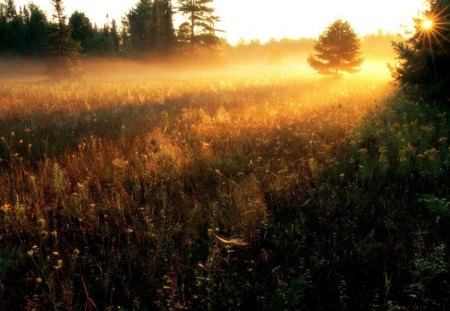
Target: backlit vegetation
(221, 190)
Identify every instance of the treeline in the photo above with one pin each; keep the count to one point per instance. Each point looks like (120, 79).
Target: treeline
(146, 30)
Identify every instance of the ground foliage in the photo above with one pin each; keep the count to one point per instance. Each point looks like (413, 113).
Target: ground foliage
(252, 191)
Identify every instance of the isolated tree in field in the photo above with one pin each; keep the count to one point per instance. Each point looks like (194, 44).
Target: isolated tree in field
(63, 51)
(199, 29)
(424, 59)
(337, 50)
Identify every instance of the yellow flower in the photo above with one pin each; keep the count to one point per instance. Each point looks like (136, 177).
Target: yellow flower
(382, 150)
(41, 222)
(30, 253)
(5, 208)
(59, 264)
(431, 154)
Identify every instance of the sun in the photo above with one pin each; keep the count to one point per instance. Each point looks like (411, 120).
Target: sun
(427, 24)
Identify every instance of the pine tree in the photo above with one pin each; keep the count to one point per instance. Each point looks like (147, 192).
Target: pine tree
(115, 38)
(425, 57)
(141, 35)
(149, 27)
(10, 10)
(63, 52)
(81, 29)
(163, 19)
(337, 50)
(36, 36)
(201, 22)
(12, 29)
(3, 28)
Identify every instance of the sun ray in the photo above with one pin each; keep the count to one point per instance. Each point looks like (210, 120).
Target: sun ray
(431, 28)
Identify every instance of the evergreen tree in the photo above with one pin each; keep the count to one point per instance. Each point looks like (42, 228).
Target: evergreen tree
(139, 26)
(12, 29)
(81, 29)
(10, 10)
(115, 38)
(201, 22)
(36, 36)
(3, 29)
(149, 27)
(184, 35)
(125, 36)
(63, 51)
(337, 50)
(101, 43)
(25, 14)
(425, 57)
(163, 21)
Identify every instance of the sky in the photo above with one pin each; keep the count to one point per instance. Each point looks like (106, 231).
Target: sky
(266, 19)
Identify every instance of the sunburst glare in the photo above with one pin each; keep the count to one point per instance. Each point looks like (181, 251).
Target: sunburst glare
(427, 24)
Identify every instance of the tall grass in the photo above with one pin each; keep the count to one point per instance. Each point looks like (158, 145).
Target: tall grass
(202, 191)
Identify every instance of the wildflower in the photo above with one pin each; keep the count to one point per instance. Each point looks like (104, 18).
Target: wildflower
(41, 222)
(59, 264)
(443, 140)
(120, 163)
(54, 234)
(382, 150)
(427, 128)
(363, 151)
(431, 154)
(30, 253)
(38, 280)
(55, 254)
(76, 252)
(5, 208)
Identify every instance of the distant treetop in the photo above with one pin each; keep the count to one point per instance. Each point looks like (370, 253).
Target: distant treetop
(337, 50)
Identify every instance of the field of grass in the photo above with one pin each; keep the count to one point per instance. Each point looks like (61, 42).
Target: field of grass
(254, 190)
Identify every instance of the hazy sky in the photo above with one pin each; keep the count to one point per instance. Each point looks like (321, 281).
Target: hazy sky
(265, 19)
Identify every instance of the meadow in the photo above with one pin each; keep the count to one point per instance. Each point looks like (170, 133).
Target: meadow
(253, 188)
